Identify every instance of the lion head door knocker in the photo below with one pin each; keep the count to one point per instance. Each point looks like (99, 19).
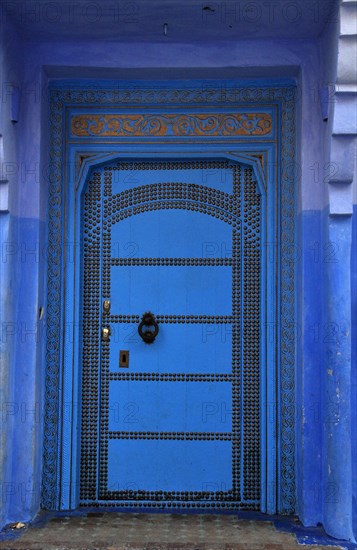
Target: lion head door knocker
(148, 328)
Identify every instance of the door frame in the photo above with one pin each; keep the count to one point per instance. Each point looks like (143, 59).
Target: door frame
(72, 158)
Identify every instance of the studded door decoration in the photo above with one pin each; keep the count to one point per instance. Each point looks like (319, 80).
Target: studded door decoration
(178, 423)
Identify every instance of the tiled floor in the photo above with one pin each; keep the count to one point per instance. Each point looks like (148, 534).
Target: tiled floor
(130, 531)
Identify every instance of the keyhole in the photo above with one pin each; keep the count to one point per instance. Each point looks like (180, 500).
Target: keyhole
(124, 358)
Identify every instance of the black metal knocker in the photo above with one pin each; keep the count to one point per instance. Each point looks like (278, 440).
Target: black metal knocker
(148, 320)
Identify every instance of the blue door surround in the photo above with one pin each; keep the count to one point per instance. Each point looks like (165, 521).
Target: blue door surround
(96, 124)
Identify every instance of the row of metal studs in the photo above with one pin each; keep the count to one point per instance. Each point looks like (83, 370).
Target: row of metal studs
(251, 336)
(90, 362)
(171, 261)
(179, 436)
(170, 377)
(195, 319)
(112, 501)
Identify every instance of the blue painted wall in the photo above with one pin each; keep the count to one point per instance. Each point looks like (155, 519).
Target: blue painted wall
(10, 76)
(354, 368)
(336, 400)
(310, 262)
(22, 266)
(31, 65)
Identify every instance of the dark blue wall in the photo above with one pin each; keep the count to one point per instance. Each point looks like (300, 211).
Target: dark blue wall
(354, 368)
(310, 327)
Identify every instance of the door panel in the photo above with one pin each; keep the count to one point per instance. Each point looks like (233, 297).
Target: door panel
(156, 406)
(180, 466)
(168, 234)
(179, 422)
(208, 347)
(174, 288)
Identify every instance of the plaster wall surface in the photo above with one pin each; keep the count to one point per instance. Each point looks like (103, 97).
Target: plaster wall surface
(10, 135)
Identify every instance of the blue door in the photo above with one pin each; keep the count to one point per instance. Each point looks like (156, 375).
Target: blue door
(172, 296)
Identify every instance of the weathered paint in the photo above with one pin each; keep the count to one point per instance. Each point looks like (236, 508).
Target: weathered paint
(354, 368)
(310, 260)
(336, 396)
